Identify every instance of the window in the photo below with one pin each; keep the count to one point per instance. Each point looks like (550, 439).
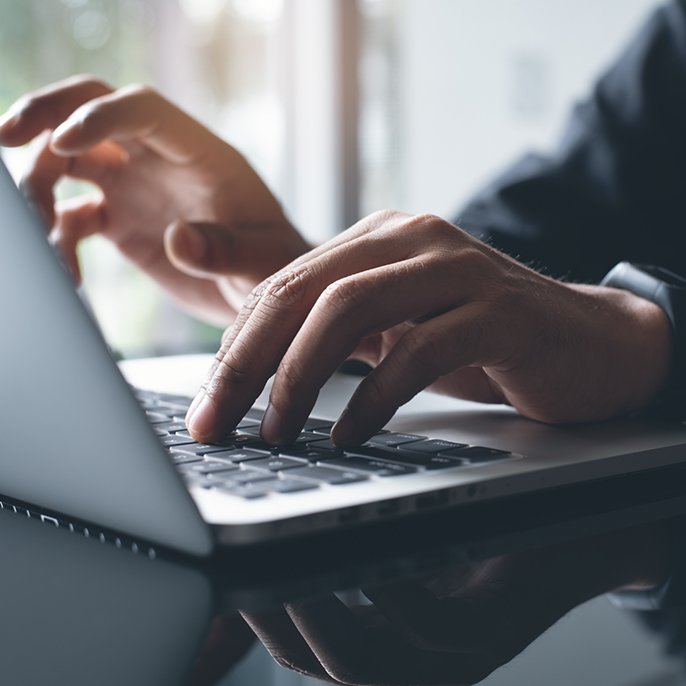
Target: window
(343, 106)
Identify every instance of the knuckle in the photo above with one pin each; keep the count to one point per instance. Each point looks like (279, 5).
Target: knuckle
(289, 290)
(89, 80)
(142, 99)
(382, 216)
(140, 90)
(345, 298)
(427, 223)
(434, 232)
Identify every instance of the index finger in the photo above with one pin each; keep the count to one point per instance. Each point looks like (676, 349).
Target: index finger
(47, 108)
(140, 113)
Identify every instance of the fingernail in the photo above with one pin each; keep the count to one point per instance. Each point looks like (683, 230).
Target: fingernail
(194, 405)
(194, 243)
(343, 429)
(271, 428)
(203, 419)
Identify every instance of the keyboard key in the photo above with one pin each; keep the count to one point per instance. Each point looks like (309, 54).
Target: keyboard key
(159, 432)
(240, 439)
(310, 437)
(433, 446)
(377, 467)
(200, 448)
(327, 475)
(305, 438)
(392, 439)
(208, 467)
(182, 458)
(252, 429)
(238, 490)
(427, 461)
(276, 463)
(172, 427)
(245, 476)
(477, 453)
(157, 417)
(171, 409)
(144, 395)
(199, 479)
(281, 486)
(312, 454)
(261, 445)
(320, 426)
(326, 444)
(431, 462)
(239, 455)
(174, 440)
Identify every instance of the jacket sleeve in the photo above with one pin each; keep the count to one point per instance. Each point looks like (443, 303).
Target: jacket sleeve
(615, 189)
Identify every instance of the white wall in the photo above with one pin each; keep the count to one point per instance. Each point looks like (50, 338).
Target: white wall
(482, 81)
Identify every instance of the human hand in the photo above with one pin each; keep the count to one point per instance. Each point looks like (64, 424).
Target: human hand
(458, 626)
(429, 306)
(179, 202)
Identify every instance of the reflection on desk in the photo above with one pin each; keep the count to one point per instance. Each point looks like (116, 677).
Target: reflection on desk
(79, 612)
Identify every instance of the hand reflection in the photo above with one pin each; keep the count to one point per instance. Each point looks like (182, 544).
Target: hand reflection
(228, 640)
(458, 626)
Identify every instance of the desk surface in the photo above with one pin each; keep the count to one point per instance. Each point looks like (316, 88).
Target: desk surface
(98, 614)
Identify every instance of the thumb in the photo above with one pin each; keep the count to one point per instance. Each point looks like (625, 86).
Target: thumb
(202, 249)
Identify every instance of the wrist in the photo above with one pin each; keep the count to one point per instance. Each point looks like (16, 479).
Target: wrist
(634, 343)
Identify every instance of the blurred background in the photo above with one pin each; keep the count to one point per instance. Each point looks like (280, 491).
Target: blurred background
(343, 106)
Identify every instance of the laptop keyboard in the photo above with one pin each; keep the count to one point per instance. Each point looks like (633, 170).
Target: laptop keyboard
(243, 465)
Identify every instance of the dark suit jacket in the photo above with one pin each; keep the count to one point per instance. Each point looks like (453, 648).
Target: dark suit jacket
(616, 187)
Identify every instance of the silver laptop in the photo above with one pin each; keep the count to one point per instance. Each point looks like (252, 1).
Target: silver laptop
(78, 441)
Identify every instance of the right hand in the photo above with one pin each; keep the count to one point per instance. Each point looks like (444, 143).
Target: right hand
(176, 200)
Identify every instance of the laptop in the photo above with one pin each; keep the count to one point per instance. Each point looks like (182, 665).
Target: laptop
(79, 441)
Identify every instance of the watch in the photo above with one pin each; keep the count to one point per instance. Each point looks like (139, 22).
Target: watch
(667, 290)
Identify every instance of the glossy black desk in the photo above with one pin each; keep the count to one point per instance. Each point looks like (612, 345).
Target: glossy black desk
(79, 611)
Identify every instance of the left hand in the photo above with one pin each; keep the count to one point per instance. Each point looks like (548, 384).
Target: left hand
(430, 306)
(179, 202)
(458, 626)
